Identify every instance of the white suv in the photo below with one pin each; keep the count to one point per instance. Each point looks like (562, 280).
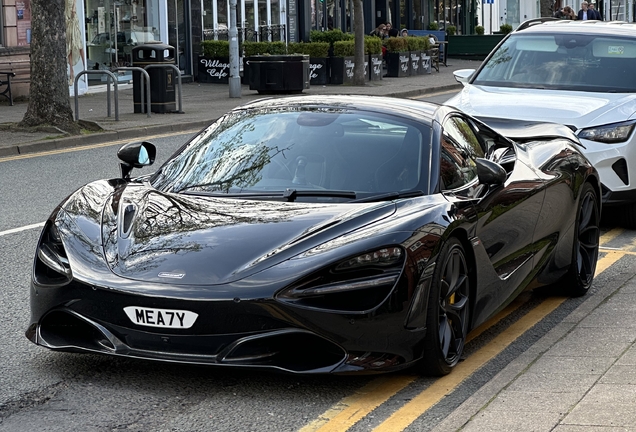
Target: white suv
(578, 73)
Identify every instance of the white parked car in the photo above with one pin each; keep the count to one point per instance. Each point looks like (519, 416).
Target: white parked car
(578, 73)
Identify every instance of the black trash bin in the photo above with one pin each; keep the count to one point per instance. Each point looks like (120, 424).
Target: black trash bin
(162, 80)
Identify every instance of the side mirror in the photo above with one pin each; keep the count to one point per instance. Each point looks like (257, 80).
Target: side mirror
(135, 155)
(490, 173)
(463, 75)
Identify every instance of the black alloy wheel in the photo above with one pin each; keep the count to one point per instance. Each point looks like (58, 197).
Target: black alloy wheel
(448, 311)
(586, 243)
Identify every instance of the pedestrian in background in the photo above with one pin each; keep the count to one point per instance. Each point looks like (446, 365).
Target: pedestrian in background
(380, 31)
(392, 32)
(568, 13)
(583, 14)
(597, 14)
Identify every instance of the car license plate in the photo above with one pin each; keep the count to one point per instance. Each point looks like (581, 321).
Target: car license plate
(165, 318)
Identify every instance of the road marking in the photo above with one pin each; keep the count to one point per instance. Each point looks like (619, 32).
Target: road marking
(406, 415)
(24, 228)
(353, 408)
(424, 96)
(617, 250)
(610, 235)
(94, 146)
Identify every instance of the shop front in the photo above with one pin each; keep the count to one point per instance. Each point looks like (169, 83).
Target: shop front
(257, 20)
(114, 27)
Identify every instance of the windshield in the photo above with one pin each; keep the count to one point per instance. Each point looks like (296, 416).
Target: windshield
(256, 151)
(579, 62)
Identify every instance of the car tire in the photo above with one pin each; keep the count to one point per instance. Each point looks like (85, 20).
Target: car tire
(448, 311)
(586, 243)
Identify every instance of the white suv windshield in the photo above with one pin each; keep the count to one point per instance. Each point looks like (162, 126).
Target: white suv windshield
(580, 62)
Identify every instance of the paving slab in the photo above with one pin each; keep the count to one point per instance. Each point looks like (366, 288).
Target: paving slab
(606, 405)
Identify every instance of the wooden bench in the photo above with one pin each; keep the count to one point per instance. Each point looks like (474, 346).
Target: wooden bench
(5, 81)
(12, 73)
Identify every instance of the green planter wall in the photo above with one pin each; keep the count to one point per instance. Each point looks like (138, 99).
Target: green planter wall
(473, 47)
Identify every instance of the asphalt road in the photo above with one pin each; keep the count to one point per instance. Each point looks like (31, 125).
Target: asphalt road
(42, 390)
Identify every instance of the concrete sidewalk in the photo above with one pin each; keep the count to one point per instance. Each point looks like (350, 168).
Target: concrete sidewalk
(579, 376)
(201, 104)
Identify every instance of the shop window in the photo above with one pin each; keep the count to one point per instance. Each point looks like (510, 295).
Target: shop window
(113, 28)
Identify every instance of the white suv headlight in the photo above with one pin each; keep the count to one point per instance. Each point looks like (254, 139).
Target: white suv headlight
(611, 133)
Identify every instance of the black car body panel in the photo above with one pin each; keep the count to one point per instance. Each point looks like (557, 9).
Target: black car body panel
(269, 283)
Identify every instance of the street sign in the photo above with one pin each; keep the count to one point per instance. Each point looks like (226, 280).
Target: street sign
(488, 1)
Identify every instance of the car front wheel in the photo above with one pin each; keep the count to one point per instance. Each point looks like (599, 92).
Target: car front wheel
(448, 311)
(586, 243)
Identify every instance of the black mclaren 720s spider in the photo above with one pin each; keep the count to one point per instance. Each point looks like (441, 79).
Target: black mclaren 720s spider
(318, 234)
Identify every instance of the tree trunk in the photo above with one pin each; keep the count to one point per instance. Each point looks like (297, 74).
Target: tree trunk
(359, 77)
(49, 87)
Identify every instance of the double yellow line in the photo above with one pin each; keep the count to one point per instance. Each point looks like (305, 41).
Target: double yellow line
(352, 409)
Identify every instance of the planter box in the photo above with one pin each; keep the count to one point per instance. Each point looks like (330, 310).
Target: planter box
(278, 73)
(472, 47)
(246, 74)
(375, 69)
(398, 64)
(427, 66)
(416, 62)
(341, 70)
(319, 70)
(214, 70)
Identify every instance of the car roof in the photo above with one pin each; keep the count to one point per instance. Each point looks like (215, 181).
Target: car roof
(423, 112)
(616, 28)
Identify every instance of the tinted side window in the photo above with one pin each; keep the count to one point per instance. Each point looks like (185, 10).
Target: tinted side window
(460, 146)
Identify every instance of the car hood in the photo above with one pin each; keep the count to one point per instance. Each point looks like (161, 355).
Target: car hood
(170, 238)
(578, 109)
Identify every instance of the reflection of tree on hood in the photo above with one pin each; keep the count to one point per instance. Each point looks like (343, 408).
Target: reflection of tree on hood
(163, 223)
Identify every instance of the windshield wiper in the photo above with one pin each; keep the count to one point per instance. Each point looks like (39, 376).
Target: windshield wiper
(288, 194)
(389, 196)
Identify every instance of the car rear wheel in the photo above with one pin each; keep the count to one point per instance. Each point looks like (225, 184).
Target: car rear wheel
(448, 311)
(586, 243)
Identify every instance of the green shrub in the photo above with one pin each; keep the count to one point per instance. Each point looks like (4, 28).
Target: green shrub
(276, 48)
(344, 48)
(313, 49)
(479, 30)
(255, 48)
(330, 36)
(505, 28)
(296, 48)
(417, 43)
(397, 44)
(433, 26)
(215, 49)
(451, 30)
(264, 48)
(372, 45)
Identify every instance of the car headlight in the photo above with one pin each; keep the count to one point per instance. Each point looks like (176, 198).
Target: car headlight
(356, 284)
(51, 263)
(611, 133)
